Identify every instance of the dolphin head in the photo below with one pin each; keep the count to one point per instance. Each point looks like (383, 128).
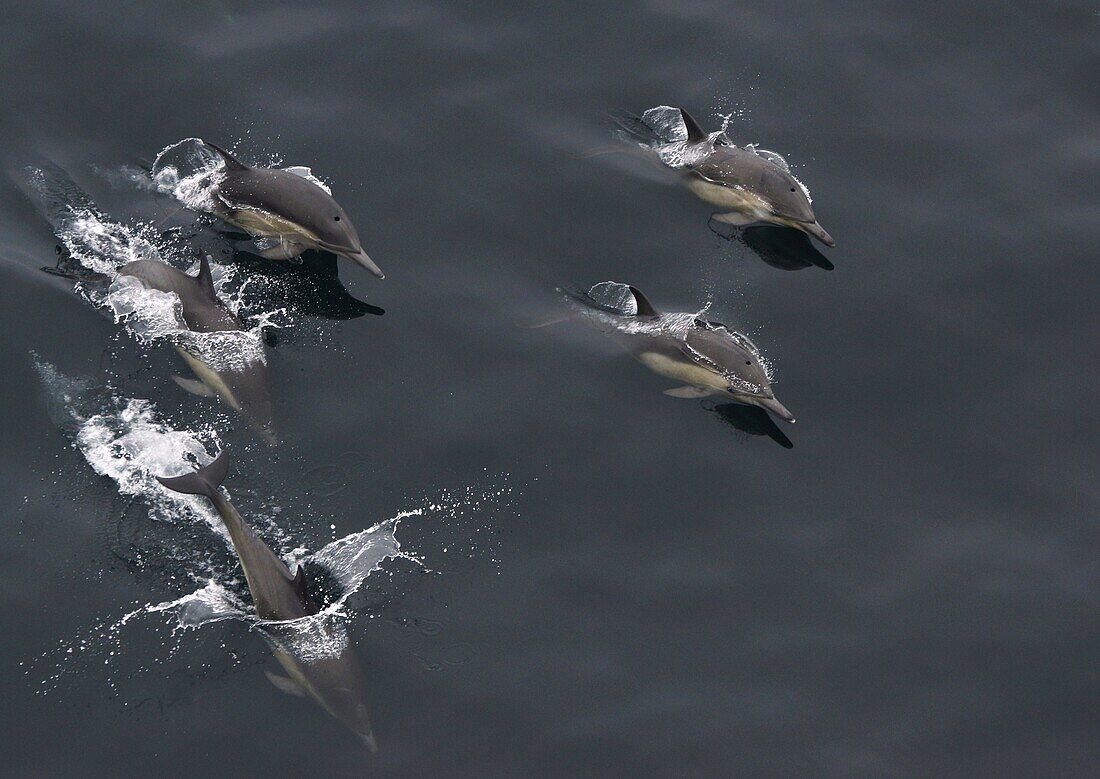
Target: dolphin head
(788, 199)
(335, 233)
(737, 360)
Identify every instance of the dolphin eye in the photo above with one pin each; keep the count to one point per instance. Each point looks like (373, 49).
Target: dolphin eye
(338, 218)
(792, 190)
(748, 362)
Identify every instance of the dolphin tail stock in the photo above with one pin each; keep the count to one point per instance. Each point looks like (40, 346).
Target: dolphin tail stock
(204, 481)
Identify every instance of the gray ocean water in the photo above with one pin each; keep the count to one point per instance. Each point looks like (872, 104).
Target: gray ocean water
(601, 580)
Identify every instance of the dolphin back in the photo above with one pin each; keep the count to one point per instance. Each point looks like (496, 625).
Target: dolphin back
(204, 481)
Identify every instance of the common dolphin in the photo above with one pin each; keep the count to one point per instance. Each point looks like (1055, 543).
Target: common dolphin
(750, 187)
(335, 681)
(244, 386)
(288, 208)
(706, 357)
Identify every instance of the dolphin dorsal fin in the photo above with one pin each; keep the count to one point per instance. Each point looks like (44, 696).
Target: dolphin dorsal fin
(301, 586)
(231, 162)
(694, 131)
(205, 277)
(645, 308)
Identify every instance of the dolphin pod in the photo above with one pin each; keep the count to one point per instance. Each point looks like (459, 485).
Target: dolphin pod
(335, 682)
(288, 214)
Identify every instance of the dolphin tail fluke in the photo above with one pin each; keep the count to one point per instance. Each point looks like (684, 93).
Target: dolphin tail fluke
(204, 481)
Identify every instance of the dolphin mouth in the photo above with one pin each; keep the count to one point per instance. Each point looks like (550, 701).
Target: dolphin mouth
(818, 232)
(775, 407)
(358, 256)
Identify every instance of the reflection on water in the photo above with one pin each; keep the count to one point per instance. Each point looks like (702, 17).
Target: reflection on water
(780, 247)
(784, 247)
(750, 420)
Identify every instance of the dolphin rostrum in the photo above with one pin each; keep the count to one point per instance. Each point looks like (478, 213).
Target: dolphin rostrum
(749, 186)
(291, 211)
(706, 357)
(335, 681)
(244, 386)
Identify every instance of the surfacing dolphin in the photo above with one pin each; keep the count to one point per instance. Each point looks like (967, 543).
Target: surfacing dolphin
(244, 386)
(290, 210)
(706, 357)
(335, 681)
(750, 187)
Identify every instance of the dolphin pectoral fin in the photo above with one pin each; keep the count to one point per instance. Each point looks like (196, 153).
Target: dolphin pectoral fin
(285, 684)
(733, 218)
(194, 386)
(687, 392)
(728, 233)
(370, 742)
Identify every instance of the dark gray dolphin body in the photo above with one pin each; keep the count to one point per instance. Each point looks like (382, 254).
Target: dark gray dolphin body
(706, 357)
(287, 208)
(336, 682)
(748, 187)
(246, 388)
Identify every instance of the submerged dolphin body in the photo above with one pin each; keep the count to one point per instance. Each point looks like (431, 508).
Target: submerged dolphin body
(289, 209)
(335, 681)
(706, 357)
(245, 387)
(749, 187)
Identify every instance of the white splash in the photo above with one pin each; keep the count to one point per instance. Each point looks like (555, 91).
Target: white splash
(190, 171)
(102, 247)
(125, 440)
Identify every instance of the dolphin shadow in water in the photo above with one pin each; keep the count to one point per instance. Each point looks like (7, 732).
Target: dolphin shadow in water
(750, 420)
(310, 286)
(781, 247)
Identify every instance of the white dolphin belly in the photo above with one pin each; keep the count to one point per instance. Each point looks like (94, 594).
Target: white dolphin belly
(684, 371)
(730, 198)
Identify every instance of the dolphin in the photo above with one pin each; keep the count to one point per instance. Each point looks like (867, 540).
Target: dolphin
(245, 388)
(749, 187)
(335, 682)
(706, 357)
(286, 208)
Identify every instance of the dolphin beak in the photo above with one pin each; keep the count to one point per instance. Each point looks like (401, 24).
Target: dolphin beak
(818, 232)
(368, 739)
(777, 408)
(360, 258)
